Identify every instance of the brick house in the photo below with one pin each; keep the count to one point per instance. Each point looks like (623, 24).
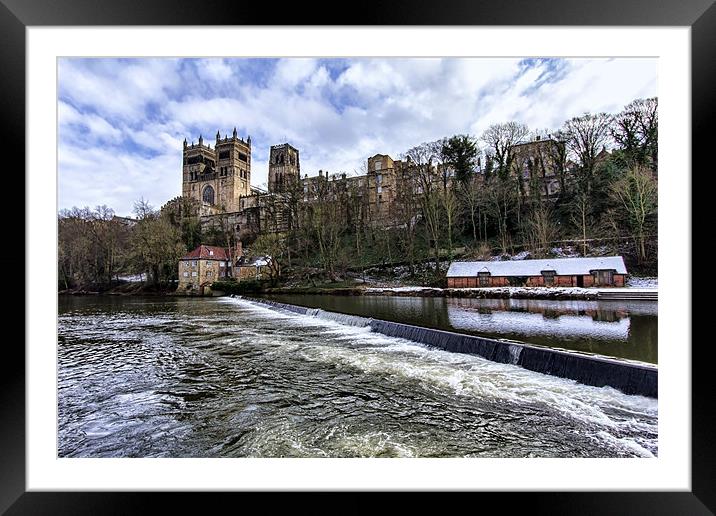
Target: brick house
(605, 271)
(204, 265)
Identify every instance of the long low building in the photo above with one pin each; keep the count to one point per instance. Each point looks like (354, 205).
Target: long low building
(604, 271)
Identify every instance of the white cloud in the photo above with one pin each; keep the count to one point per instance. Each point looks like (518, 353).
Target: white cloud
(214, 69)
(120, 88)
(292, 72)
(367, 106)
(92, 128)
(91, 177)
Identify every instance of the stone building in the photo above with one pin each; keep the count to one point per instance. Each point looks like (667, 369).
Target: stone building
(204, 265)
(381, 181)
(541, 164)
(217, 177)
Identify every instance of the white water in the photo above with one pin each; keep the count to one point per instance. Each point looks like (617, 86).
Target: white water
(611, 413)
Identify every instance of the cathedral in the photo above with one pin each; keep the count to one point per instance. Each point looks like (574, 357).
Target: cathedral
(219, 180)
(217, 177)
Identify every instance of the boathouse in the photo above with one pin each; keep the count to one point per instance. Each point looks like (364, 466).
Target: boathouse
(603, 271)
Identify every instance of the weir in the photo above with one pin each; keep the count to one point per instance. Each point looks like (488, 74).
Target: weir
(598, 371)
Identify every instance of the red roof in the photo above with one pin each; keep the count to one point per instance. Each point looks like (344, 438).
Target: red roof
(207, 252)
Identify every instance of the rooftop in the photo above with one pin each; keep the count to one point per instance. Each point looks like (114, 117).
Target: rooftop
(207, 252)
(561, 266)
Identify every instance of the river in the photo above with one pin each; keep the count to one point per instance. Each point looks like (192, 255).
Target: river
(622, 329)
(221, 377)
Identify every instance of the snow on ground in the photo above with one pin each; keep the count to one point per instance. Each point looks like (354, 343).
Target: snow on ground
(401, 289)
(521, 256)
(562, 252)
(646, 282)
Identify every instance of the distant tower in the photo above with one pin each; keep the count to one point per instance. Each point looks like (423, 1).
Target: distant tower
(284, 167)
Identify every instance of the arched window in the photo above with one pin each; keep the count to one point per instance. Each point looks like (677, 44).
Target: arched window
(208, 195)
(280, 159)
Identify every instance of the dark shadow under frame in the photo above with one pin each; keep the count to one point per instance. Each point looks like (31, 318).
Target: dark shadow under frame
(15, 15)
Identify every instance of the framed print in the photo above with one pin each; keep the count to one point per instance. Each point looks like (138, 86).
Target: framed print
(88, 82)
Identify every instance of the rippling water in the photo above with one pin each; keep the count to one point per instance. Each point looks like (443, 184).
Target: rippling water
(624, 329)
(228, 378)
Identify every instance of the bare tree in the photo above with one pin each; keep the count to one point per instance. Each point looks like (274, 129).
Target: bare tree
(581, 210)
(501, 203)
(156, 243)
(586, 136)
(273, 247)
(470, 192)
(327, 224)
(449, 202)
(636, 194)
(540, 229)
(406, 212)
(420, 162)
(500, 138)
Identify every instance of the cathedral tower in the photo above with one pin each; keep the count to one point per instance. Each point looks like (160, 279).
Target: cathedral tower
(217, 177)
(284, 167)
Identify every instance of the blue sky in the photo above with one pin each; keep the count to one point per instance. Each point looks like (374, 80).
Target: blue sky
(122, 121)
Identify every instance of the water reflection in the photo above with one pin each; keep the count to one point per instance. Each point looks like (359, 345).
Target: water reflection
(626, 329)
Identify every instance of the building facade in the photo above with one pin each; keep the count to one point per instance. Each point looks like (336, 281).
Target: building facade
(200, 268)
(606, 271)
(218, 177)
(541, 165)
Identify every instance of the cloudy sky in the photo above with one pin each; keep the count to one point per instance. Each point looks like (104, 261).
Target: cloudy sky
(122, 121)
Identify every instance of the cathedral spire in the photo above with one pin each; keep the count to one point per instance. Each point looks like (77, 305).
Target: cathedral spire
(218, 136)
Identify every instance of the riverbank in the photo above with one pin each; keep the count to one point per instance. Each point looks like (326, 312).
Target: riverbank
(556, 293)
(636, 288)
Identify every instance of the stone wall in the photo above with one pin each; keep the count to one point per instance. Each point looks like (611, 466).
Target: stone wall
(193, 274)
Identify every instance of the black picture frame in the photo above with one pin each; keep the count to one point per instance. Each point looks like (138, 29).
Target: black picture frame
(16, 15)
